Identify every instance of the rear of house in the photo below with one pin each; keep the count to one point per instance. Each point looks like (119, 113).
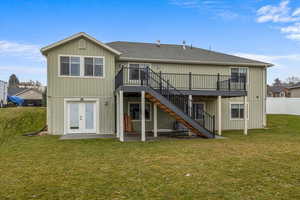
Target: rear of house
(93, 87)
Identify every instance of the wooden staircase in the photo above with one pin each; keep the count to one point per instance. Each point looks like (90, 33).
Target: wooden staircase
(173, 114)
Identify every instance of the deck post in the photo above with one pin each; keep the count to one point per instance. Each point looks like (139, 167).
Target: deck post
(118, 115)
(143, 131)
(219, 115)
(155, 119)
(245, 116)
(121, 117)
(190, 107)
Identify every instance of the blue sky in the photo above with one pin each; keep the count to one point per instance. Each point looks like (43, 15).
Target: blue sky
(268, 30)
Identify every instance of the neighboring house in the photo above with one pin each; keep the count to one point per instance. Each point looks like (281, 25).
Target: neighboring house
(3, 93)
(31, 96)
(294, 91)
(92, 85)
(278, 91)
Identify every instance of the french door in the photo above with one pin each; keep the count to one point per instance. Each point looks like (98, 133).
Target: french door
(81, 117)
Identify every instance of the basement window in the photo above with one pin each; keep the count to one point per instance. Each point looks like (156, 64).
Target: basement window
(237, 111)
(134, 110)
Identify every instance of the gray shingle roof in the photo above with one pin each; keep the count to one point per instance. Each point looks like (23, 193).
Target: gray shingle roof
(12, 91)
(151, 51)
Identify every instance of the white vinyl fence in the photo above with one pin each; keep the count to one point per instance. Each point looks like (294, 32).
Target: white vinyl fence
(283, 105)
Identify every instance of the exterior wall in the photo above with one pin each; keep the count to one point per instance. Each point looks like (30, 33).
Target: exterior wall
(256, 87)
(60, 88)
(295, 93)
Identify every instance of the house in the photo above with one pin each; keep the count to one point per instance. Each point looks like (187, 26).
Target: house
(31, 96)
(3, 94)
(94, 86)
(278, 91)
(294, 90)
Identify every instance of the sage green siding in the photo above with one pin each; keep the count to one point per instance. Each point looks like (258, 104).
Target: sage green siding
(256, 94)
(60, 88)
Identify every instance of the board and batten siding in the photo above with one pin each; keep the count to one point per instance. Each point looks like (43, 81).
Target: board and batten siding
(60, 88)
(256, 88)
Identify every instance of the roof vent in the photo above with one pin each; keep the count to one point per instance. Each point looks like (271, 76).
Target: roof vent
(183, 44)
(158, 43)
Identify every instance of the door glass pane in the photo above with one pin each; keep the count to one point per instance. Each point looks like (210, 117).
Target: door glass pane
(134, 110)
(89, 115)
(74, 116)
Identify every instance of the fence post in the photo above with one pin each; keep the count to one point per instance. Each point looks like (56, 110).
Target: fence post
(190, 80)
(218, 82)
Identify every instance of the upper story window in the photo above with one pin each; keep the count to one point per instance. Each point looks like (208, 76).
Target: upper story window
(93, 66)
(137, 71)
(69, 66)
(239, 74)
(81, 66)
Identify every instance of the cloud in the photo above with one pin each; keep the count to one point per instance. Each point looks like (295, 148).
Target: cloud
(219, 8)
(282, 14)
(14, 49)
(293, 31)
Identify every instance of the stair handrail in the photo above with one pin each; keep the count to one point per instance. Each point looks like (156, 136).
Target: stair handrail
(185, 98)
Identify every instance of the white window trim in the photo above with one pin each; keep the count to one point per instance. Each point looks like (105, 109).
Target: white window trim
(66, 100)
(239, 119)
(128, 74)
(200, 102)
(243, 68)
(137, 120)
(81, 66)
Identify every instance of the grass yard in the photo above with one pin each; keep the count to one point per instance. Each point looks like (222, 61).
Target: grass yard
(263, 165)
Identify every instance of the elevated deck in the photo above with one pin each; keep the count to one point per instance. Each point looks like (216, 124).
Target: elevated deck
(134, 80)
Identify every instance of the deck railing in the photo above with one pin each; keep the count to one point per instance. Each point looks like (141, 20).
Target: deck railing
(136, 76)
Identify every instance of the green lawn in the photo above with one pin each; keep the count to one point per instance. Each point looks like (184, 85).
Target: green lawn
(263, 165)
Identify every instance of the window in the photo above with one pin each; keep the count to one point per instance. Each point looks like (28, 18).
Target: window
(69, 66)
(137, 71)
(197, 111)
(135, 111)
(238, 74)
(237, 110)
(80, 66)
(93, 66)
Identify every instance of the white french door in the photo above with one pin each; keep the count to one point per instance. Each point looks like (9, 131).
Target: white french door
(81, 117)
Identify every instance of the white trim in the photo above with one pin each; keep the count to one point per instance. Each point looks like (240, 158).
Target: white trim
(66, 100)
(137, 120)
(143, 125)
(155, 119)
(81, 34)
(81, 66)
(239, 119)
